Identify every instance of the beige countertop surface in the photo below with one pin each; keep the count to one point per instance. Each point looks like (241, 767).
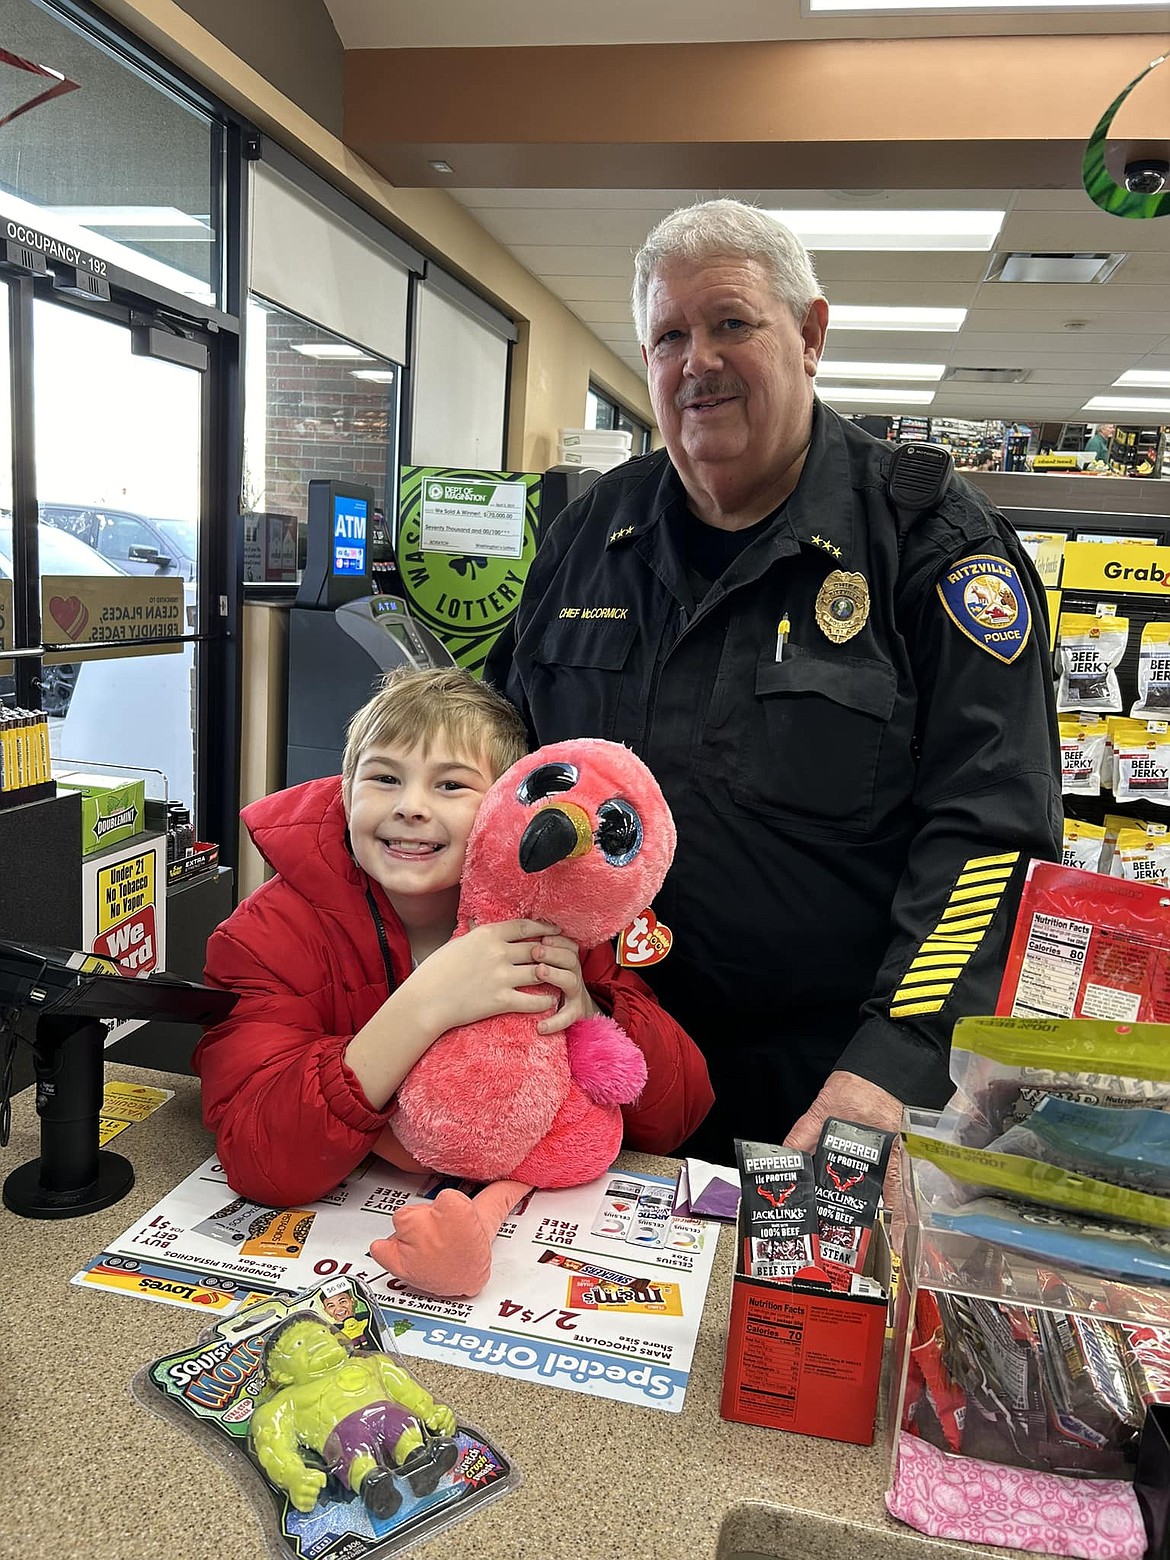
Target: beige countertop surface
(87, 1472)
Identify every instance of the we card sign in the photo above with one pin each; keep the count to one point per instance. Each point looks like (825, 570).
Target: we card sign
(124, 909)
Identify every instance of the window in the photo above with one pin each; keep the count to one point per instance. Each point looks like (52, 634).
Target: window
(352, 277)
(459, 377)
(315, 406)
(601, 411)
(122, 168)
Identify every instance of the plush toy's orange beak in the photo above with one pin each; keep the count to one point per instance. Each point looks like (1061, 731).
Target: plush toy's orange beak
(558, 832)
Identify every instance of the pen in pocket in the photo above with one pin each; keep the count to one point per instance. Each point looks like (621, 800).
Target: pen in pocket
(782, 636)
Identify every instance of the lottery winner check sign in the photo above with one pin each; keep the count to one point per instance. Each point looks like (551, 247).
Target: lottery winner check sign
(465, 516)
(598, 1289)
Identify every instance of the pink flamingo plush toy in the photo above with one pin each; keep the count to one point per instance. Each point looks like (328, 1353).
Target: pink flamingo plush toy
(579, 835)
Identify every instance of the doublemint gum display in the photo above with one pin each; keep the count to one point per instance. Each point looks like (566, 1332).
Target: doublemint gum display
(779, 1207)
(849, 1168)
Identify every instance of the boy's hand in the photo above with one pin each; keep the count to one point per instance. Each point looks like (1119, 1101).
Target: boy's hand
(480, 974)
(559, 964)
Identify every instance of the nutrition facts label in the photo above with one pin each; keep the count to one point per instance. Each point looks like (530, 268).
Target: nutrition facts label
(800, 1361)
(1054, 963)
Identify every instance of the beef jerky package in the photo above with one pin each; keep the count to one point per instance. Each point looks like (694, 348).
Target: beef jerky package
(1154, 673)
(1082, 845)
(1082, 755)
(1141, 761)
(1142, 856)
(849, 1167)
(778, 1209)
(1003, 1067)
(1129, 1147)
(1088, 651)
(1086, 945)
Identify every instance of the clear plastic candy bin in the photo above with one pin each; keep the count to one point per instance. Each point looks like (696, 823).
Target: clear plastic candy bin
(1007, 1357)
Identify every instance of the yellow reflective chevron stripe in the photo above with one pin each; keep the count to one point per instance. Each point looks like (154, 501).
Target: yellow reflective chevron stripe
(954, 912)
(971, 923)
(962, 893)
(962, 925)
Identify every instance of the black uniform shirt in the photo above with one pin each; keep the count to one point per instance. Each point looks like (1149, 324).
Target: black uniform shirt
(854, 815)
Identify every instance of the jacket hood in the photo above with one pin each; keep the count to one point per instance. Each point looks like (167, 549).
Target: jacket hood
(301, 833)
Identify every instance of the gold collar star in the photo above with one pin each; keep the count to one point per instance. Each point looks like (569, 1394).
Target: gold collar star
(825, 545)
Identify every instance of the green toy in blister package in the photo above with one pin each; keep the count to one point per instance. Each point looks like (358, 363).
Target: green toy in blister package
(357, 1458)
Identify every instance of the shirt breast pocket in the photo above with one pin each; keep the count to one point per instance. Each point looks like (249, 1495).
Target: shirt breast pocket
(813, 742)
(576, 683)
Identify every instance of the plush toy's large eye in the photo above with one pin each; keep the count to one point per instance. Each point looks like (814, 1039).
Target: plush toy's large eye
(545, 780)
(619, 832)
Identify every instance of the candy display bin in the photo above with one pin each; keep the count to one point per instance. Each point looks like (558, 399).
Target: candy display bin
(1011, 1359)
(1003, 1361)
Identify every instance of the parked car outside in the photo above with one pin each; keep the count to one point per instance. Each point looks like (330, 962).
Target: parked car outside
(60, 553)
(137, 544)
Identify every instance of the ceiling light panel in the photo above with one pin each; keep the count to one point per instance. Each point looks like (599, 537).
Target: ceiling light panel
(129, 216)
(1144, 378)
(847, 316)
(873, 394)
(1139, 406)
(906, 371)
(919, 7)
(377, 376)
(334, 351)
(831, 229)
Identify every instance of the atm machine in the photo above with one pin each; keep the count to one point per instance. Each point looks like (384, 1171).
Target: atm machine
(343, 636)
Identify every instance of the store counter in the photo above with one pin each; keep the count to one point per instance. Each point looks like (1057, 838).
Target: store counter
(88, 1471)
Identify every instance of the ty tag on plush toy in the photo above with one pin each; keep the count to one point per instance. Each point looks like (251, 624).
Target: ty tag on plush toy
(645, 941)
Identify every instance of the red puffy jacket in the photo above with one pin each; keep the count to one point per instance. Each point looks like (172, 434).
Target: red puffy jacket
(302, 953)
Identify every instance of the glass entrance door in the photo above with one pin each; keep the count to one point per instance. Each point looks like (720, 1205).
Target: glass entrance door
(118, 482)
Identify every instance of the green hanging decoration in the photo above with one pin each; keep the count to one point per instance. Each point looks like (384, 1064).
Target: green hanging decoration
(1100, 185)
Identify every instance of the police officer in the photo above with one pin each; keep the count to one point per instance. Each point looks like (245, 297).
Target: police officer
(851, 716)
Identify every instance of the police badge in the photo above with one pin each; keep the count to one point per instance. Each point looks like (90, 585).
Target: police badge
(842, 606)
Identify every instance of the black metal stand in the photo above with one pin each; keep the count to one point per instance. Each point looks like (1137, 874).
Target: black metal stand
(72, 1176)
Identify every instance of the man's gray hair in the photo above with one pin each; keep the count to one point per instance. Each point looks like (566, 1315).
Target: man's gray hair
(727, 227)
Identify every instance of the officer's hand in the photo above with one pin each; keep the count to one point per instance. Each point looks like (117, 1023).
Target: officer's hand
(850, 1098)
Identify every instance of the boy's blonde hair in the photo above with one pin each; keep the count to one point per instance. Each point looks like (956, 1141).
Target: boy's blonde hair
(414, 708)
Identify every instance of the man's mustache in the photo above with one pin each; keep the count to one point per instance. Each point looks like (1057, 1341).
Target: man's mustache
(708, 390)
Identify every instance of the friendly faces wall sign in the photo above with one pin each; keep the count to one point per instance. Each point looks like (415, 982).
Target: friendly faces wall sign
(465, 542)
(123, 615)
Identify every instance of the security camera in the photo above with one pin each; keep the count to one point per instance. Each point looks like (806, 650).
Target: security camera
(1147, 175)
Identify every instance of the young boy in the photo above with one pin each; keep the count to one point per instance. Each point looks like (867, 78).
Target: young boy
(343, 965)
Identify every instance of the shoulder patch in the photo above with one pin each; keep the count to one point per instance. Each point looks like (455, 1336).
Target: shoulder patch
(985, 599)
